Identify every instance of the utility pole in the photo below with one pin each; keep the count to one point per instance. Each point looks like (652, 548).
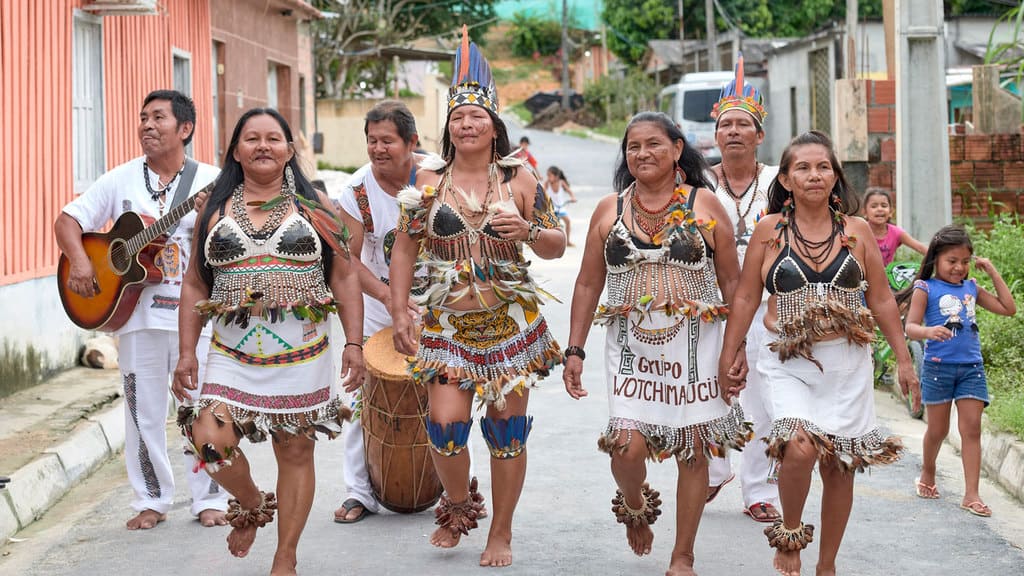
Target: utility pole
(851, 35)
(565, 55)
(709, 25)
(682, 41)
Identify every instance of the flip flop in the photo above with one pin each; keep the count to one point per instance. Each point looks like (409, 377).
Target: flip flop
(347, 506)
(978, 508)
(714, 491)
(767, 512)
(925, 491)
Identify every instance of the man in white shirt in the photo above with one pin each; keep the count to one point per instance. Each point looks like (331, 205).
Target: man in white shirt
(742, 187)
(370, 210)
(147, 185)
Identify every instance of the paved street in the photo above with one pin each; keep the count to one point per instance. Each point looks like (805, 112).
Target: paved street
(563, 524)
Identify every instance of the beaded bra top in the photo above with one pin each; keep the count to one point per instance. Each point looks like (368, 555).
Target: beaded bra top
(677, 276)
(451, 237)
(810, 304)
(283, 270)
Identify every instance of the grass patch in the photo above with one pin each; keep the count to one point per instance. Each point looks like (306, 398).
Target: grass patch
(614, 129)
(519, 110)
(521, 70)
(1007, 408)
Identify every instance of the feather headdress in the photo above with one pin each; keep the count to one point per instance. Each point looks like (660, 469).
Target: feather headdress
(737, 95)
(472, 82)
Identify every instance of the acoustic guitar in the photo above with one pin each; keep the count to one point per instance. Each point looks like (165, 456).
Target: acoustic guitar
(123, 259)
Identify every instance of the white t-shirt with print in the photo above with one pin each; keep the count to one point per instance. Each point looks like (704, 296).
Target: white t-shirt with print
(123, 189)
(376, 252)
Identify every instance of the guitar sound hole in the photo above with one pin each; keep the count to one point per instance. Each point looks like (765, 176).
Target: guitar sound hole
(120, 259)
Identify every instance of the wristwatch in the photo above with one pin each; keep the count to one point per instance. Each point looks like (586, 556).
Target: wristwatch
(575, 351)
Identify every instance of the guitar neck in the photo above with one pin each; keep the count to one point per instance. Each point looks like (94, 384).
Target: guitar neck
(161, 226)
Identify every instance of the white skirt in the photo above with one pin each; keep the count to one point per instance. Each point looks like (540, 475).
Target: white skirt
(663, 381)
(834, 404)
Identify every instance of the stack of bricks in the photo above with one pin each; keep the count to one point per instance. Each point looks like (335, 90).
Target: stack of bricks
(881, 100)
(987, 174)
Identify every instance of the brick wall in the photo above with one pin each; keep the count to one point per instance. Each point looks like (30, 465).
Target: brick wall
(986, 171)
(987, 174)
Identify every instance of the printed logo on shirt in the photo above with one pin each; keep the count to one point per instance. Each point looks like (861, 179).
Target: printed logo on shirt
(165, 302)
(168, 260)
(126, 205)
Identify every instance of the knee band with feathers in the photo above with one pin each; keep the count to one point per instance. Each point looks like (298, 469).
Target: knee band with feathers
(506, 437)
(449, 439)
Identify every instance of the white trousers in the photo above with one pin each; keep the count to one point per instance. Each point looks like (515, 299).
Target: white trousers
(147, 359)
(754, 464)
(355, 473)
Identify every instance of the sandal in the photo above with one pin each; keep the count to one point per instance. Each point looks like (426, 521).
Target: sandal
(347, 506)
(925, 491)
(978, 508)
(762, 512)
(713, 492)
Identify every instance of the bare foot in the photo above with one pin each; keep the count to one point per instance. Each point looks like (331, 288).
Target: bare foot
(498, 552)
(283, 566)
(240, 540)
(146, 520)
(681, 565)
(211, 517)
(821, 571)
(444, 538)
(787, 563)
(640, 539)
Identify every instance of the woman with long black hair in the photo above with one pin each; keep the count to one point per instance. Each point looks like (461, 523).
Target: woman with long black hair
(669, 272)
(270, 266)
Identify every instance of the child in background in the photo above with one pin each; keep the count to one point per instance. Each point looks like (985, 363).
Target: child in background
(558, 190)
(942, 312)
(878, 213)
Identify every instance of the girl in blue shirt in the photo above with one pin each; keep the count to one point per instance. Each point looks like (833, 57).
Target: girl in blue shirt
(942, 313)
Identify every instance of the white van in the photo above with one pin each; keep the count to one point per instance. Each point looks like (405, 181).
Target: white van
(690, 102)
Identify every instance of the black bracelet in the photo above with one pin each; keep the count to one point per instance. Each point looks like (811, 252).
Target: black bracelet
(357, 344)
(575, 351)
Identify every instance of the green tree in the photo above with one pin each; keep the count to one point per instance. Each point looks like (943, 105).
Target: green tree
(634, 22)
(346, 40)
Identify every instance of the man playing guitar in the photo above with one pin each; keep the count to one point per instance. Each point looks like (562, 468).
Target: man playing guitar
(147, 185)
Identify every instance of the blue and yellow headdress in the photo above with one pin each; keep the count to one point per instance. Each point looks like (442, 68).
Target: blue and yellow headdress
(472, 82)
(737, 95)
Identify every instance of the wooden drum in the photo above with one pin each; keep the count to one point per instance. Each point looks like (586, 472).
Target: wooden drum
(394, 431)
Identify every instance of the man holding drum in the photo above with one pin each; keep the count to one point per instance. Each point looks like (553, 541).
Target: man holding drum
(370, 211)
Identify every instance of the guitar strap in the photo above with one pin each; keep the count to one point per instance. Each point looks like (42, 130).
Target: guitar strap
(188, 174)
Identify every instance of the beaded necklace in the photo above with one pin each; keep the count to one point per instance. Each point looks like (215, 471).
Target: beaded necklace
(277, 206)
(649, 221)
(156, 194)
(741, 226)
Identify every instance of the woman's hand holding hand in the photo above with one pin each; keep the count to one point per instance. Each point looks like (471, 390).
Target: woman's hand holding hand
(353, 368)
(571, 374)
(186, 377)
(510, 225)
(732, 375)
(909, 383)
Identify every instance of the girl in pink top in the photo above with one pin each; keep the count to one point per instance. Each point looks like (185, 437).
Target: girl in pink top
(878, 212)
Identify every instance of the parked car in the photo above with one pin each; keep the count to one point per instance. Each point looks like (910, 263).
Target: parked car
(542, 100)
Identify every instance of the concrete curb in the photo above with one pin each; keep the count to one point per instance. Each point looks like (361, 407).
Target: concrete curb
(1002, 455)
(38, 485)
